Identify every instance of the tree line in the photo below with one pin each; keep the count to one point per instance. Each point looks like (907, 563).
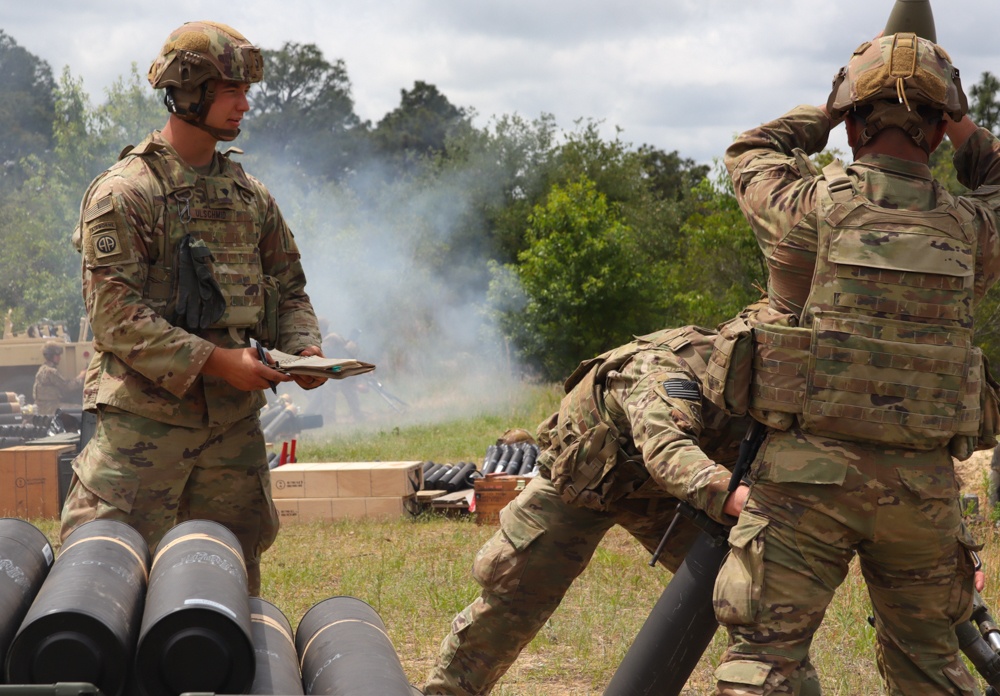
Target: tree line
(568, 242)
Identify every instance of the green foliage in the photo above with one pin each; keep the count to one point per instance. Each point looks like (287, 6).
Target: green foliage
(419, 127)
(721, 270)
(39, 266)
(583, 293)
(41, 270)
(302, 114)
(26, 109)
(984, 107)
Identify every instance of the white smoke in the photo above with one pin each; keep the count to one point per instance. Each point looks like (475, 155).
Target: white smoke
(369, 251)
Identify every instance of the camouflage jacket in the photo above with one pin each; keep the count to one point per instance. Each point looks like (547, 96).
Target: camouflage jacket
(51, 388)
(777, 191)
(672, 440)
(144, 364)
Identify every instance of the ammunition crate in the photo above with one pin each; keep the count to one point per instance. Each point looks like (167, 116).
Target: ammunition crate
(312, 509)
(347, 480)
(34, 479)
(493, 492)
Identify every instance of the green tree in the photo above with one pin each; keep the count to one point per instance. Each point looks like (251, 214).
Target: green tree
(985, 102)
(302, 114)
(26, 109)
(419, 127)
(40, 268)
(671, 176)
(576, 290)
(720, 269)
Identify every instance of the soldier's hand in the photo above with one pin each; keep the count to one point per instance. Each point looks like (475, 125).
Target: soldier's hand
(736, 500)
(980, 580)
(241, 368)
(305, 381)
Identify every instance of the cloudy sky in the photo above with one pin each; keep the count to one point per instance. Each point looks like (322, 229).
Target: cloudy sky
(681, 75)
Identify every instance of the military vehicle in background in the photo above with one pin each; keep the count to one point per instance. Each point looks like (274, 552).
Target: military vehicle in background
(21, 353)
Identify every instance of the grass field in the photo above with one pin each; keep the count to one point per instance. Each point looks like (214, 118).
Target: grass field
(415, 572)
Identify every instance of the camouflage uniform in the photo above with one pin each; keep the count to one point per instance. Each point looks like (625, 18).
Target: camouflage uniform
(52, 389)
(173, 444)
(822, 492)
(671, 445)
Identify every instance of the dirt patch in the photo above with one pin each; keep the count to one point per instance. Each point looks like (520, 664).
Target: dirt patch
(973, 474)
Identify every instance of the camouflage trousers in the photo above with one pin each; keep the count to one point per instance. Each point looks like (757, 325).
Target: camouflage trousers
(525, 570)
(152, 476)
(809, 514)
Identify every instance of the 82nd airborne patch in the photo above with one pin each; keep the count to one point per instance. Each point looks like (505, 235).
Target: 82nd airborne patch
(101, 227)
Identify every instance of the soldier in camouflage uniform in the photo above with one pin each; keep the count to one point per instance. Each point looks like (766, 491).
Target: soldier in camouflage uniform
(632, 437)
(185, 258)
(52, 389)
(871, 383)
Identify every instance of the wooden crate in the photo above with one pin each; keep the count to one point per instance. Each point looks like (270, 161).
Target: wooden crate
(30, 481)
(493, 492)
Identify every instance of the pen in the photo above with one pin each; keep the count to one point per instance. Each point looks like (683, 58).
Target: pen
(262, 354)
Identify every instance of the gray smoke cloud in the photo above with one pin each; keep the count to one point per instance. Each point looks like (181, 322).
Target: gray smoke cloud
(369, 255)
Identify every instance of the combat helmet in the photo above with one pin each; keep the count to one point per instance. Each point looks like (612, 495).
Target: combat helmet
(195, 54)
(889, 79)
(51, 349)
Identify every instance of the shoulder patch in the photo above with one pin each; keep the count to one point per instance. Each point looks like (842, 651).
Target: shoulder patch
(102, 233)
(101, 207)
(686, 389)
(106, 242)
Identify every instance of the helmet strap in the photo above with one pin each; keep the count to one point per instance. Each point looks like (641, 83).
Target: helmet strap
(193, 108)
(895, 116)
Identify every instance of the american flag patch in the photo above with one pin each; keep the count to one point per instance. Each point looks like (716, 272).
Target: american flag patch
(683, 389)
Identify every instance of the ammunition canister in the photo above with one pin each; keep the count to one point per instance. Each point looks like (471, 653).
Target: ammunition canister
(344, 649)
(25, 559)
(83, 623)
(196, 632)
(277, 665)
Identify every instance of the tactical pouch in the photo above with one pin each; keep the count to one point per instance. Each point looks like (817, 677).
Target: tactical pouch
(580, 470)
(727, 381)
(962, 445)
(781, 357)
(266, 331)
(200, 302)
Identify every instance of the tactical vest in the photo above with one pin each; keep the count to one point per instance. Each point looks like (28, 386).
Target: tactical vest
(219, 212)
(883, 350)
(586, 445)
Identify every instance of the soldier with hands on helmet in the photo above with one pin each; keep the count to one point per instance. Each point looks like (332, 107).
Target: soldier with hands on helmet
(186, 258)
(52, 389)
(870, 383)
(640, 429)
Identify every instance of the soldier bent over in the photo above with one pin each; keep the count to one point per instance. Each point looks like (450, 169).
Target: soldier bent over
(635, 434)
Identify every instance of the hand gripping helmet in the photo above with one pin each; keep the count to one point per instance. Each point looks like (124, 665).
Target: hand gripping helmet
(895, 76)
(195, 54)
(51, 349)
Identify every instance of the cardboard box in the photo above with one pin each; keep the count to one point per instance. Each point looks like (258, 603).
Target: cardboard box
(347, 480)
(30, 480)
(493, 492)
(312, 509)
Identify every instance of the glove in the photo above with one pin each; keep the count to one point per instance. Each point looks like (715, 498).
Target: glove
(200, 302)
